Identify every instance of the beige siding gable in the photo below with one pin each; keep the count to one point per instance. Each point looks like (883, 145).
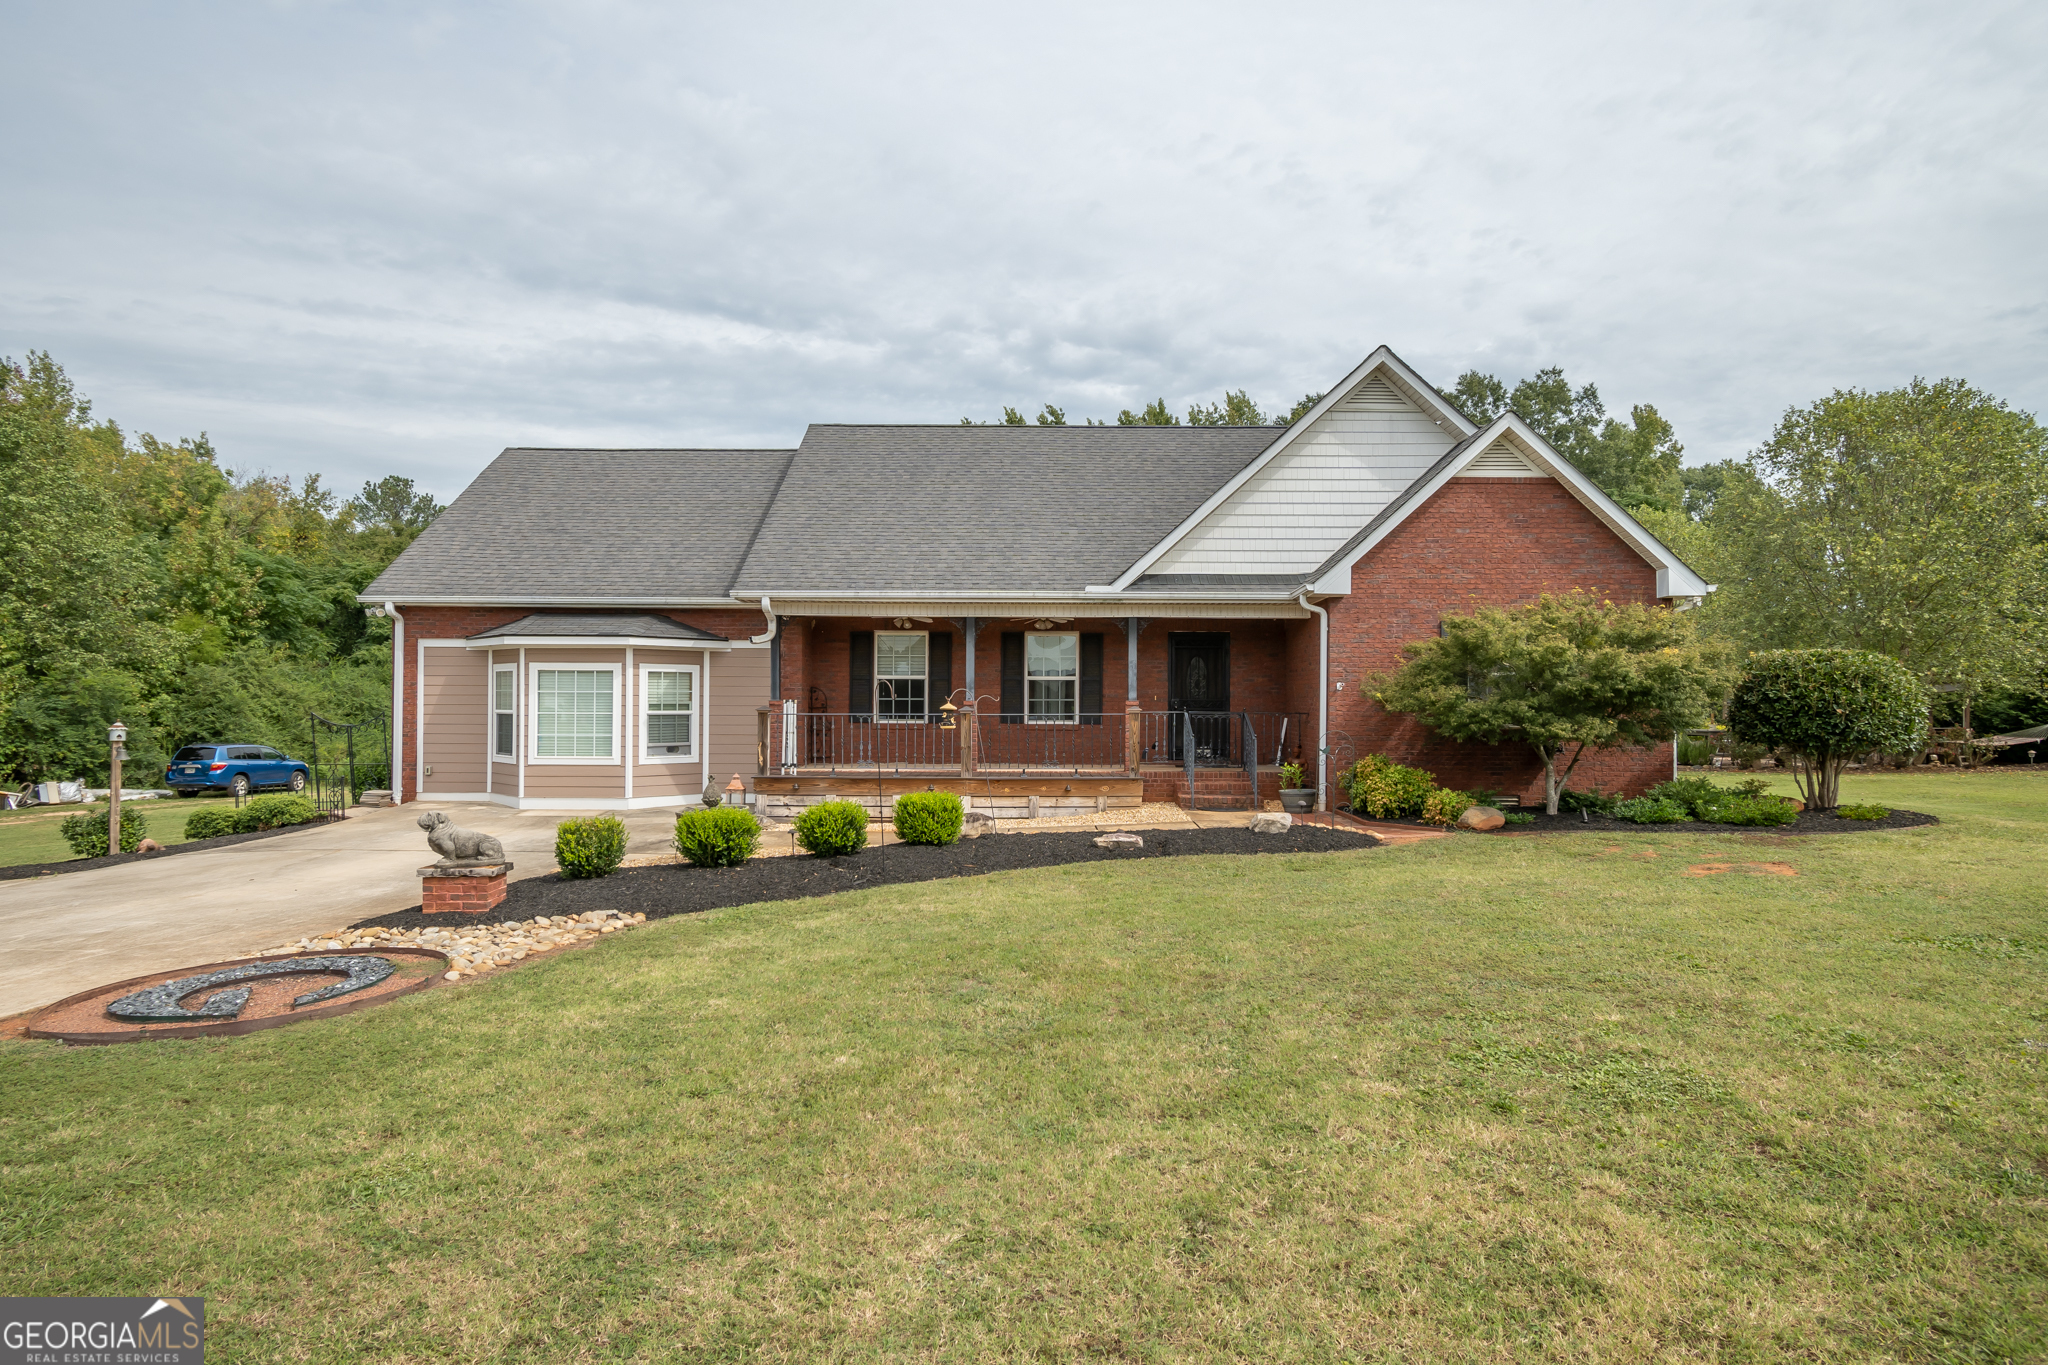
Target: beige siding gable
(1315, 494)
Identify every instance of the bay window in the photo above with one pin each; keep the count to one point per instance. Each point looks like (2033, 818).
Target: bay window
(575, 713)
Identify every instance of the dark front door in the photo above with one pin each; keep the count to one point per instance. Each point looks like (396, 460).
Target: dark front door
(1198, 683)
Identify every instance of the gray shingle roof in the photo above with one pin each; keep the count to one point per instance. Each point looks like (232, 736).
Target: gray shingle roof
(983, 509)
(591, 525)
(609, 625)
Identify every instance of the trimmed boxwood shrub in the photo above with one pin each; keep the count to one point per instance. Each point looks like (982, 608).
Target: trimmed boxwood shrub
(1443, 806)
(86, 831)
(929, 817)
(1387, 791)
(833, 827)
(591, 847)
(725, 836)
(1828, 707)
(1862, 812)
(274, 812)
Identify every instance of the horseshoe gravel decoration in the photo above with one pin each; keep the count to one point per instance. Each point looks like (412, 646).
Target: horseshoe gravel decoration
(158, 1004)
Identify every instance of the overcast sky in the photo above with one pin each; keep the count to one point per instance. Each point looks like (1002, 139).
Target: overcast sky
(363, 239)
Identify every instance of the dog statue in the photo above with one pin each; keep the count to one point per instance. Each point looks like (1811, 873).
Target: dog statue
(458, 845)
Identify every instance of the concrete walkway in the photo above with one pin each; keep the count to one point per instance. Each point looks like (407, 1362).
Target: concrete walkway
(70, 932)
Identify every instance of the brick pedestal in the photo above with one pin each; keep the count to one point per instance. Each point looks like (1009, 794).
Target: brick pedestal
(467, 890)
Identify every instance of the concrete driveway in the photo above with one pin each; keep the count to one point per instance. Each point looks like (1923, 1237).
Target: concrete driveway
(73, 931)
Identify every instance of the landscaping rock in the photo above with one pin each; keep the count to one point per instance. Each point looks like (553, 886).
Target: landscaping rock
(149, 846)
(977, 823)
(1272, 822)
(1482, 818)
(1120, 840)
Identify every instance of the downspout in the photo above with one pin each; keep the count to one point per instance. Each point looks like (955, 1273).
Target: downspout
(1322, 698)
(769, 638)
(397, 704)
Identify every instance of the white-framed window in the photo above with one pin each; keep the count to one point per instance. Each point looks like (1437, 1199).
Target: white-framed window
(504, 715)
(1052, 679)
(668, 713)
(900, 662)
(574, 715)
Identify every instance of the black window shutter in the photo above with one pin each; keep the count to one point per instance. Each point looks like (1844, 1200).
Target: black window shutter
(938, 687)
(1013, 677)
(861, 672)
(1091, 679)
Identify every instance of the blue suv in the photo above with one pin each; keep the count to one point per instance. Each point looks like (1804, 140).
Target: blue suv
(239, 768)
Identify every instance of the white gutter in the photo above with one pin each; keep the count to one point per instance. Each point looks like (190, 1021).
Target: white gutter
(397, 704)
(1322, 699)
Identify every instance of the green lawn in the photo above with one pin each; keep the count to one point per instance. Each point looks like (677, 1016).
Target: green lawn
(1541, 1098)
(30, 836)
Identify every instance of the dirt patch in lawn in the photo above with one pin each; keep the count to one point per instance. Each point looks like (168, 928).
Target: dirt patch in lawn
(1763, 869)
(659, 892)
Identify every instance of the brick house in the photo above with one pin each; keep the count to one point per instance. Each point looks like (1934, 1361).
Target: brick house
(1059, 617)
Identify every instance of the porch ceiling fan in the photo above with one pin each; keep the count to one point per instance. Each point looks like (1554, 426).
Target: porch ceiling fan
(1044, 622)
(905, 622)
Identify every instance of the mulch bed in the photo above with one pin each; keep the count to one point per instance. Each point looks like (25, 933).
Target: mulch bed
(1809, 822)
(659, 892)
(8, 874)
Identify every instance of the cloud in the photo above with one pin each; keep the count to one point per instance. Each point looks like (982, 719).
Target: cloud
(359, 240)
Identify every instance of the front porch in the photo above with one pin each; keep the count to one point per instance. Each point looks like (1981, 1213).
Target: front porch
(1062, 712)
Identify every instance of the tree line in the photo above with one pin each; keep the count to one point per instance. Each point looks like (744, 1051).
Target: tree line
(142, 579)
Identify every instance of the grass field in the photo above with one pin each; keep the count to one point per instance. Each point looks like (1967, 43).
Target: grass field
(30, 836)
(1552, 1098)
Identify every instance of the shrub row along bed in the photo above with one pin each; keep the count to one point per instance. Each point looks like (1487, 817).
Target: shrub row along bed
(659, 892)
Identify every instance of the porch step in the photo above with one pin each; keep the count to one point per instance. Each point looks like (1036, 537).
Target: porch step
(1213, 789)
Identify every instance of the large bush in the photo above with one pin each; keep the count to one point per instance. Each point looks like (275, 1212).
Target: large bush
(929, 817)
(1828, 707)
(86, 831)
(1387, 791)
(833, 827)
(722, 837)
(592, 847)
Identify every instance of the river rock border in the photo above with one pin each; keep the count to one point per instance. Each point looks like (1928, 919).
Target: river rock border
(473, 949)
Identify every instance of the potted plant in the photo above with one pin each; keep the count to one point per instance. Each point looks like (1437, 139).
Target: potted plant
(1297, 797)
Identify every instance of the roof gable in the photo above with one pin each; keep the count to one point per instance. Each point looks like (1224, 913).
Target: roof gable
(1368, 438)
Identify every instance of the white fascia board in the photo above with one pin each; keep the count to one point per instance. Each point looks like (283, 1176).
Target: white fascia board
(590, 642)
(1674, 578)
(1412, 385)
(374, 599)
